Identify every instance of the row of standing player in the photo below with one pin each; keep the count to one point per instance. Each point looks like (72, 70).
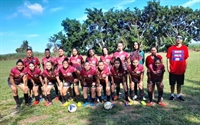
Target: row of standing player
(95, 75)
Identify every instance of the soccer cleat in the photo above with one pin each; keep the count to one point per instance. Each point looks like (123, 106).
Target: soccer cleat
(161, 104)
(35, 103)
(85, 104)
(18, 106)
(149, 104)
(131, 103)
(49, 103)
(30, 99)
(116, 97)
(66, 104)
(41, 99)
(171, 98)
(92, 104)
(56, 98)
(127, 103)
(134, 97)
(143, 98)
(46, 103)
(180, 98)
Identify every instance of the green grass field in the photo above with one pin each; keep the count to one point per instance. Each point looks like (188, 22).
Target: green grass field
(175, 112)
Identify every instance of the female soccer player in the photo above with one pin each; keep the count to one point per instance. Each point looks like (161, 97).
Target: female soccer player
(16, 79)
(102, 81)
(150, 60)
(107, 60)
(136, 73)
(76, 60)
(70, 76)
(49, 58)
(118, 76)
(137, 52)
(124, 56)
(88, 79)
(50, 80)
(60, 58)
(155, 76)
(35, 75)
(92, 59)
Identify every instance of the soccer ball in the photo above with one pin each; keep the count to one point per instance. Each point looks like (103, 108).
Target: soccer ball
(108, 105)
(72, 108)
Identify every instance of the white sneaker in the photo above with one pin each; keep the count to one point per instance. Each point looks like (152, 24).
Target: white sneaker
(134, 97)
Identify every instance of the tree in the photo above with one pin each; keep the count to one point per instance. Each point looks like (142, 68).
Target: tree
(23, 47)
(155, 25)
(53, 42)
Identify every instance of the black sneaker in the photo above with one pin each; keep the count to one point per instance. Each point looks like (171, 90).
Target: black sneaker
(180, 98)
(18, 106)
(171, 98)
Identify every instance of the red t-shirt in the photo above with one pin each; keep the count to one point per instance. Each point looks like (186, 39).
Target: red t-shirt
(124, 56)
(135, 72)
(58, 61)
(50, 76)
(150, 60)
(177, 57)
(156, 72)
(35, 61)
(117, 76)
(103, 74)
(35, 74)
(93, 62)
(76, 62)
(45, 59)
(106, 60)
(88, 76)
(17, 75)
(67, 74)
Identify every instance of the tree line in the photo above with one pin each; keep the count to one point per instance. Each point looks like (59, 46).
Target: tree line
(154, 25)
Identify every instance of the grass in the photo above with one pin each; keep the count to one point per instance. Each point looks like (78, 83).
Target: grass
(175, 113)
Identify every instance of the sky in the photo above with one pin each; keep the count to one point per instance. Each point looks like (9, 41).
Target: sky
(37, 20)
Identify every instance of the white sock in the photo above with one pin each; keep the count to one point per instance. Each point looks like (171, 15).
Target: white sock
(178, 95)
(172, 95)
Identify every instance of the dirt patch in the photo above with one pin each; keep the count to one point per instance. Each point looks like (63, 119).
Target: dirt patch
(33, 119)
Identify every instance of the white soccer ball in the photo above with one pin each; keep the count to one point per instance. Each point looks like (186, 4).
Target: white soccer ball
(72, 108)
(108, 105)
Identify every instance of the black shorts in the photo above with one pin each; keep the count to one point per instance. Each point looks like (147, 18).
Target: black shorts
(68, 84)
(89, 85)
(176, 78)
(29, 84)
(17, 83)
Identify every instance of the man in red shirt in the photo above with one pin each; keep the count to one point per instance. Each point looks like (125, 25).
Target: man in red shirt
(177, 56)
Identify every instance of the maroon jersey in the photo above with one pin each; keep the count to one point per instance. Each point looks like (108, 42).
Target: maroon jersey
(103, 74)
(67, 74)
(88, 76)
(93, 62)
(34, 75)
(123, 56)
(59, 60)
(156, 72)
(35, 61)
(51, 76)
(17, 74)
(135, 72)
(76, 62)
(106, 60)
(45, 59)
(117, 76)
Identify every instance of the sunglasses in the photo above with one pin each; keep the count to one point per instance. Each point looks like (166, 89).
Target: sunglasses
(180, 38)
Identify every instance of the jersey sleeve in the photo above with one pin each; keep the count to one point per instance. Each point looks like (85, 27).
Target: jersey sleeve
(169, 53)
(37, 61)
(12, 72)
(82, 61)
(127, 56)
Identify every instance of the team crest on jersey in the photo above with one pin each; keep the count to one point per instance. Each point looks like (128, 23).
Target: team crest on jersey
(107, 61)
(93, 62)
(122, 57)
(90, 76)
(36, 75)
(34, 60)
(78, 60)
(69, 74)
